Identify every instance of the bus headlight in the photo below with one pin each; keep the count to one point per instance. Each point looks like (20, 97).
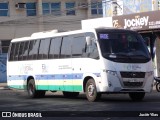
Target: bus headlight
(114, 73)
(148, 74)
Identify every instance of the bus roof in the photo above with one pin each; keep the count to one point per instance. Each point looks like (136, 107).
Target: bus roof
(41, 35)
(55, 33)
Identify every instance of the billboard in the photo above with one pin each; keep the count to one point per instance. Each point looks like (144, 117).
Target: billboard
(135, 6)
(138, 21)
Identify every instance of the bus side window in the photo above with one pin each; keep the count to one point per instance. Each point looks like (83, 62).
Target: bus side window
(55, 48)
(94, 51)
(20, 57)
(30, 52)
(33, 49)
(16, 51)
(11, 57)
(25, 50)
(78, 46)
(66, 47)
(91, 49)
(44, 48)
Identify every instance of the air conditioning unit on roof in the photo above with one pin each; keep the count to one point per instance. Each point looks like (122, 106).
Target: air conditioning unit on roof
(83, 5)
(20, 5)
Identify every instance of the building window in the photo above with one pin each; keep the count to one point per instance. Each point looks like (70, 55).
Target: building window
(4, 9)
(96, 8)
(70, 8)
(46, 8)
(52, 8)
(56, 8)
(31, 9)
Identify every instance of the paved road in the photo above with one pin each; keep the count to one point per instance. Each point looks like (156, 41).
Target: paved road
(56, 105)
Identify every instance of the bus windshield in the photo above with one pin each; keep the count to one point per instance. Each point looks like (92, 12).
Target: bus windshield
(123, 46)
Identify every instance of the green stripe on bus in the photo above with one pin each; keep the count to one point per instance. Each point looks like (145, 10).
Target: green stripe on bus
(17, 87)
(76, 88)
(60, 87)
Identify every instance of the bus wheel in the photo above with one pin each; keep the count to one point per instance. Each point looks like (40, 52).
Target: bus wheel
(137, 96)
(70, 94)
(32, 92)
(91, 91)
(158, 87)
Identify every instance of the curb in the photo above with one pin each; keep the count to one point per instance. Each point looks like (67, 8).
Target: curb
(3, 86)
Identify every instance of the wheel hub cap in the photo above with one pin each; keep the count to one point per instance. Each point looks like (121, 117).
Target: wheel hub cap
(91, 90)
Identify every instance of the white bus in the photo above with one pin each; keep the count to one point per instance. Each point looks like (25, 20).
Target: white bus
(101, 60)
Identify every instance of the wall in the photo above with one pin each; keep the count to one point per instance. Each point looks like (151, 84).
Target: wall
(3, 77)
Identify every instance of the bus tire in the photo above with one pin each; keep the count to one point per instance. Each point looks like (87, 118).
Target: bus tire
(32, 92)
(158, 87)
(91, 91)
(70, 94)
(137, 96)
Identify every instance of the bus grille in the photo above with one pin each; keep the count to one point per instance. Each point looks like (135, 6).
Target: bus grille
(132, 74)
(133, 84)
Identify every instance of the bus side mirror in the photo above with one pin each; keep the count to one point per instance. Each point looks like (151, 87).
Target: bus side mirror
(88, 40)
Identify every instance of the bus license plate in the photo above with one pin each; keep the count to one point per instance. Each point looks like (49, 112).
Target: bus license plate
(133, 80)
